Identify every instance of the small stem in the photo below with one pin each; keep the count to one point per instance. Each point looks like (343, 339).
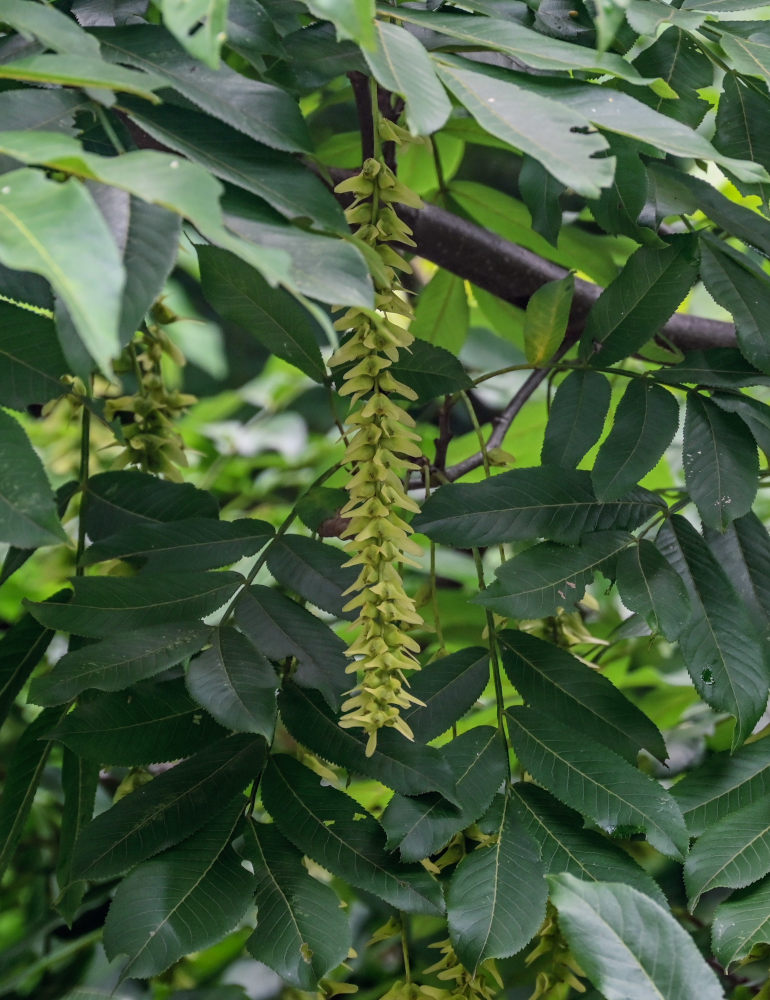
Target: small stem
(405, 947)
(106, 124)
(85, 454)
(493, 654)
(479, 433)
(377, 141)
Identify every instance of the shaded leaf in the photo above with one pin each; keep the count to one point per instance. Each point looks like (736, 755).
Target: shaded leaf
(333, 830)
(720, 461)
(741, 923)
(566, 846)
(235, 684)
(720, 368)
(280, 628)
(635, 306)
(100, 605)
(430, 371)
(630, 947)
(524, 504)
(547, 576)
(545, 320)
(550, 678)
(150, 724)
(589, 777)
(421, 826)
(21, 649)
(399, 63)
(397, 763)
(302, 933)
(271, 315)
(31, 361)
(755, 414)
(49, 26)
(447, 688)
(172, 807)
(724, 784)
(80, 779)
(27, 506)
(576, 418)
(725, 655)
(314, 571)
(650, 586)
(734, 852)
(738, 128)
(540, 193)
(743, 552)
(188, 898)
(645, 421)
(118, 661)
(496, 896)
(188, 544)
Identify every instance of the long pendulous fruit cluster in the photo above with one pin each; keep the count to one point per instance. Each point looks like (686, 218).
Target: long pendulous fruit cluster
(381, 449)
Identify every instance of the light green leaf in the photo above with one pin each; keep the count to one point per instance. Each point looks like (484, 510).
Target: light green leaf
(49, 26)
(150, 724)
(188, 544)
(546, 317)
(724, 652)
(198, 25)
(740, 923)
(169, 809)
(397, 763)
(734, 852)
(421, 825)
(720, 460)
(630, 947)
(27, 506)
(102, 605)
(337, 833)
(724, 784)
(496, 896)
(650, 586)
(352, 19)
(118, 662)
(314, 570)
(235, 684)
(82, 71)
(547, 576)
(577, 415)
(550, 678)
(272, 316)
(544, 129)
(190, 897)
(639, 301)
(441, 316)
(646, 419)
(589, 777)
(55, 230)
(302, 932)
(566, 846)
(399, 63)
(545, 502)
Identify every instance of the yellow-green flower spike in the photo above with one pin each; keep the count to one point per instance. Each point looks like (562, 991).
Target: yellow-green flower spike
(380, 450)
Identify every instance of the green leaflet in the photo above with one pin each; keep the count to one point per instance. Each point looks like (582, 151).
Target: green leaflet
(550, 679)
(545, 323)
(101, 605)
(646, 419)
(31, 361)
(80, 779)
(549, 576)
(720, 460)
(587, 776)
(649, 585)
(170, 808)
(235, 684)
(22, 647)
(566, 846)
(191, 896)
(399, 764)
(335, 832)
(547, 502)
(115, 663)
(188, 544)
(540, 192)
(441, 315)
(313, 570)
(198, 26)
(742, 922)
(576, 418)
(496, 896)
(721, 368)
(421, 826)
(734, 852)
(743, 552)
(724, 652)
(753, 413)
(630, 947)
(51, 27)
(302, 933)
(447, 691)
(399, 63)
(724, 784)
(148, 724)
(27, 506)
(431, 371)
(640, 300)
(738, 130)
(352, 19)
